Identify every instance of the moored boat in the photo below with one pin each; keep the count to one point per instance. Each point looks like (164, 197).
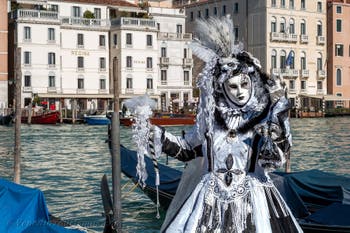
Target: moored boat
(46, 118)
(165, 120)
(97, 119)
(6, 119)
(318, 200)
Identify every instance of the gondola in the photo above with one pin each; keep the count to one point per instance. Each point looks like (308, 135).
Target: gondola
(6, 119)
(319, 200)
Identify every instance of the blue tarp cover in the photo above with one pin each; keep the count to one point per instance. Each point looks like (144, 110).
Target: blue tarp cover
(23, 209)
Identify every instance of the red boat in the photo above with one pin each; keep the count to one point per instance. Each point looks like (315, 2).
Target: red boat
(165, 120)
(46, 118)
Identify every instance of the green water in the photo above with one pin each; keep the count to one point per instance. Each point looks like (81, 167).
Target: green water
(67, 163)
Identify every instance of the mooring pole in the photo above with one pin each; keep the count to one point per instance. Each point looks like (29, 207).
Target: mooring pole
(116, 168)
(18, 84)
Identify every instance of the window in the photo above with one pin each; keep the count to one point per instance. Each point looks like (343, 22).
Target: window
(291, 84)
(303, 63)
(283, 60)
(149, 63)
(185, 53)
(338, 22)
(206, 13)
(97, 13)
(27, 34)
(319, 85)
(149, 40)
(128, 39)
(339, 10)
(273, 24)
(53, 7)
(283, 3)
(102, 84)
(186, 77)
(80, 40)
(224, 10)
(291, 4)
(198, 14)
(115, 39)
(129, 61)
(163, 77)
(273, 3)
(80, 62)
(178, 28)
(319, 63)
(163, 52)
(339, 77)
(51, 59)
(27, 58)
(128, 83)
(76, 11)
(319, 6)
(303, 85)
(291, 26)
(102, 41)
(273, 59)
(149, 83)
(339, 50)
(27, 81)
(102, 63)
(51, 34)
(303, 28)
(80, 83)
(52, 81)
(235, 8)
(191, 15)
(302, 3)
(235, 32)
(319, 29)
(215, 11)
(290, 60)
(283, 25)
(158, 26)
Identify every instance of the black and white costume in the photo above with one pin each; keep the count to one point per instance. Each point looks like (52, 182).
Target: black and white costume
(232, 147)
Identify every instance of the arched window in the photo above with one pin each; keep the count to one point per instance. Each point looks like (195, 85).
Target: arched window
(273, 24)
(129, 82)
(283, 59)
(339, 77)
(319, 61)
(319, 28)
(283, 25)
(290, 59)
(52, 79)
(303, 61)
(273, 59)
(303, 27)
(291, 26)
(149, 82)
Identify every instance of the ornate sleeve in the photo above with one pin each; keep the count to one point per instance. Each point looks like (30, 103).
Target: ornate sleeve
(183, 148)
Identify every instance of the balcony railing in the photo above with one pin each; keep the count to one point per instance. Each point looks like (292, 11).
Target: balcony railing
(83, 22)
(285, 37)
(51, 89)
(289, 72)
(304, 73)
(27, 89)
(174, 36)
(102, 91)
(34, 15)
(187, 62)
(304, 39)
(164, 61)
(321, 40)
(134, 22)
(303, 91)
(80, 91)
(275, 71)
(321, 74)
(129, 91)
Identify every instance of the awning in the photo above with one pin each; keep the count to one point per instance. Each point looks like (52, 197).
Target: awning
(326, 97)
(128, 9)
(75, 96)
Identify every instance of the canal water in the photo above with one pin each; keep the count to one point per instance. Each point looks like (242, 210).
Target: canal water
(67, 163)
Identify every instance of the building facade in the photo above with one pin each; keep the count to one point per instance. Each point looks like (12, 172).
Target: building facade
(338, 31)
(73, 51)
(4, 8)
(287, 36)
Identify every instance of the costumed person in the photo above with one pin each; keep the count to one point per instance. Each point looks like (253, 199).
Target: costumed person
(241, 134)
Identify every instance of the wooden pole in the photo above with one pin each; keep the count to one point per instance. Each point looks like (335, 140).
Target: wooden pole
(18, 85)
(116, 168)
(30, 112)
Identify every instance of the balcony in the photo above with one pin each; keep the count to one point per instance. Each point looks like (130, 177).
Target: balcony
(283, 37)
(304, 39)
(321, 40)
(80, 91)
(129, 91)
(321, 74)
(127, 22)
(320, 92)
(164, 61)
(292, 91)
(51, 90)
(275, 72)
(27, 89)
(304, 73)
(102, 91)
(303, 91)
(35, 15)
(83, 22)
(292, 73)
(187, 62)
(174, 36)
